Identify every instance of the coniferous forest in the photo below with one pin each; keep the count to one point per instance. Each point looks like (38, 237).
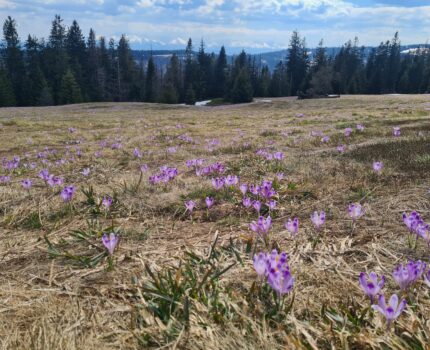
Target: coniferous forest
(71, 68)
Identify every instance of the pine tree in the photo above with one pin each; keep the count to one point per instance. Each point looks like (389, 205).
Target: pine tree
(70, 91)
(92, 68)
(36, 79)
(127, 71)
(7, 97)
(242, 88)
(55, 59)
(221, 74)
(172, 81)
(14, 61)
(297, 64)
(151, 81)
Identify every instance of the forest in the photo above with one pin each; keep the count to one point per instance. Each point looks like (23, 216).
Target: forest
(69, 68)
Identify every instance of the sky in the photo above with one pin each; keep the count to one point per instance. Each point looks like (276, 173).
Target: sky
(253, 25)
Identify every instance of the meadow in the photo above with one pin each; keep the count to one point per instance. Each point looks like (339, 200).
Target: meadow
(146, 226)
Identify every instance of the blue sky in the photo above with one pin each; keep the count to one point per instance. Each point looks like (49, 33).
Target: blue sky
(255, 25)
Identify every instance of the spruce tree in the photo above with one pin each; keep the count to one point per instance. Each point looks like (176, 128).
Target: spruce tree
(70, 91)
(14, 61)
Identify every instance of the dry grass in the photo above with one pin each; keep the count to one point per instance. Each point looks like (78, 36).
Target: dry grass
(58, 303)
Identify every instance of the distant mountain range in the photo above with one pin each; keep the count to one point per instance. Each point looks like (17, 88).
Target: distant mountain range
(271, 59)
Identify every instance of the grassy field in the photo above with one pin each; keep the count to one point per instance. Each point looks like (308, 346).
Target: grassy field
(187, 281)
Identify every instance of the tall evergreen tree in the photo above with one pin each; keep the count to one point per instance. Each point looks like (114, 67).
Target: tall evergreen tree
(221, 74)
(151, 81)
(55, 58)
(14, 61)
(297, 64)
(70, 91)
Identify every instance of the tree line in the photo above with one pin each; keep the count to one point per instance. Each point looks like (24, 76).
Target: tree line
(67, 68)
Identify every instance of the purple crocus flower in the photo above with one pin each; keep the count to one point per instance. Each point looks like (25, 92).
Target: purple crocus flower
(110, 242)
(231, 180)
(67, 193)
(282, 282)
(341, 148)
(412, 220)
(143, 168)
(360, 127)
(271, 204)
(260, 264)
(209, 202)
(370, 284)
(255, 190)
(246, 202)
(280, 176)
(292, 226)
(392, 310)
(136, 153)
(257, 206)
(243, 188)
(44, 174)
(218, 183)
(4, 179)
(318, 219)
(190, 205)
(355, 211)
(262, 226)
(396, 131)
(107, 202)
(347, 132)
(407, 275)
(27, 183)
(85, 171)
(325, 139)
(377, 167)
(278, 155)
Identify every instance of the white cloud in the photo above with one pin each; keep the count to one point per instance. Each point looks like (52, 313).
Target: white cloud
(153, 3)
(209, 7)
(126, 9)
(5, 4)
(178, 41)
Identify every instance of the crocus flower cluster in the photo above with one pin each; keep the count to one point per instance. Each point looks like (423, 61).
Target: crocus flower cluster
(396, 131)
(194, 163)
(274, 268)
(407, 275)
(270, 156)
(4, 179)
(360, 127)
(11, 164)
(215, 168)
(372, 286)
(416, 225)
(165, 175)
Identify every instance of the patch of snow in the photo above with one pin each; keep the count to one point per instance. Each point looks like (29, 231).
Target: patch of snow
(202, 103)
